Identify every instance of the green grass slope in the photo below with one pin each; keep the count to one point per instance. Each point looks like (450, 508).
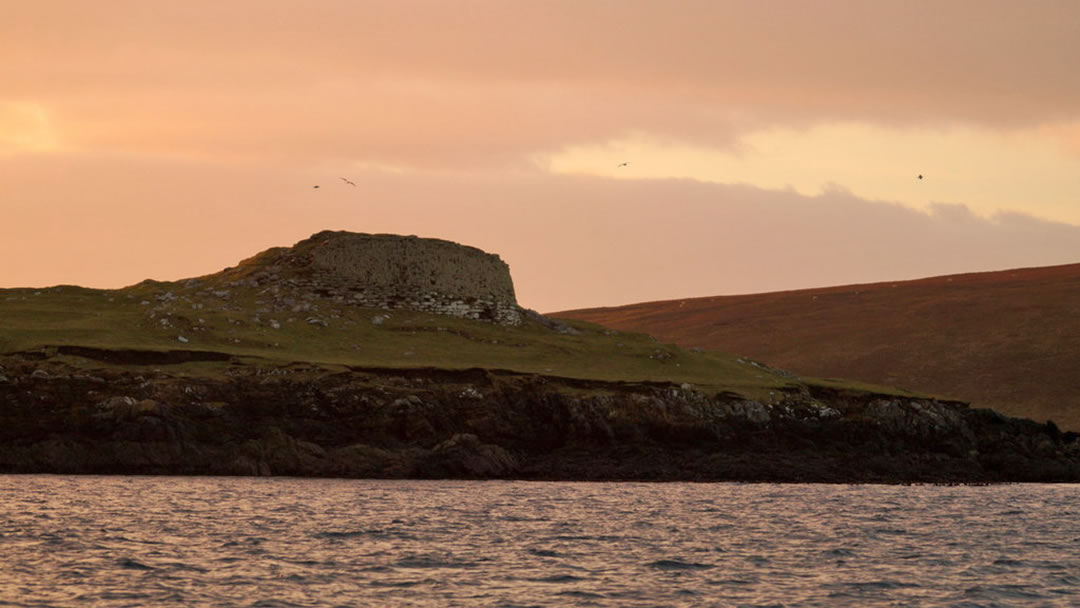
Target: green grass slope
(223, 314)
(200, 317)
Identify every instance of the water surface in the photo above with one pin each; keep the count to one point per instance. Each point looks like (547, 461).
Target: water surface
(174, 541)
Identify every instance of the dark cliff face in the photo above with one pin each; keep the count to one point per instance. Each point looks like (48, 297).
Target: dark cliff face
(308, 421)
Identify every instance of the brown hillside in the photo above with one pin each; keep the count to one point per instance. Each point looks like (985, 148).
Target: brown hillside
(1009, 340)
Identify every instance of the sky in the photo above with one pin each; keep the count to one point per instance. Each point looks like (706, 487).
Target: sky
(609, 151)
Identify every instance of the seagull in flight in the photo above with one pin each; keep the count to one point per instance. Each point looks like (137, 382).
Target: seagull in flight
(348, 182)
(920, 176)
(621, 165)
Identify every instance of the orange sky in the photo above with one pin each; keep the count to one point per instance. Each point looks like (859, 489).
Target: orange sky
(772, 145)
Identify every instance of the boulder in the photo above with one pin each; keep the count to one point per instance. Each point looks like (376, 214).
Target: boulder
(465, 455)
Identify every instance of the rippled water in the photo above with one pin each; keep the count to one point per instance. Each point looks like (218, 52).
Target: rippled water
(138, 541)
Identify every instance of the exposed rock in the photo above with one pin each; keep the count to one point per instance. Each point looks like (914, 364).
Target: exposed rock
(919, 418)
(550, 323)
(471, 393)
(750, 411)
(828, 412)
(360, 460)
(285, 455)
(126, 408)
(464, 455)
(113, 403)
(290, 420)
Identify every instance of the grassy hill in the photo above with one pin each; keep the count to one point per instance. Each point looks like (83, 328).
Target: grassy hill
(1008, 340)
(227, 319)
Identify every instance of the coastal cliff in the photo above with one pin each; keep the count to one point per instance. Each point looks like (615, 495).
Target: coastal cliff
(308, 420)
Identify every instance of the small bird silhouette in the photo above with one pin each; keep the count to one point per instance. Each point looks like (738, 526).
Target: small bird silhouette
(621, 165)
(315, 186)
(920, 176)
(348, 182)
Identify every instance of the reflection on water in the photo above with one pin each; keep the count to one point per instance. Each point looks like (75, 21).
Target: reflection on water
(136, 541)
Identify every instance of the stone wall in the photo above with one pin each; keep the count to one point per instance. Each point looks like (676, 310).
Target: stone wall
(391, 271)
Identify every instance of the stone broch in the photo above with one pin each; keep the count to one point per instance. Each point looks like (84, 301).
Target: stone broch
(397, 272)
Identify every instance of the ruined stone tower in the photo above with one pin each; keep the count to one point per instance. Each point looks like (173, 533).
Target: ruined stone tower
(391, 271)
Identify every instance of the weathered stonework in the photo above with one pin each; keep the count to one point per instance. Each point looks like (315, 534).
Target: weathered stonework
(394, 272)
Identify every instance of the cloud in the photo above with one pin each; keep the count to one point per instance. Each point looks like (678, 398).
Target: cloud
(985, 169)
(437, 84)
(570, 241)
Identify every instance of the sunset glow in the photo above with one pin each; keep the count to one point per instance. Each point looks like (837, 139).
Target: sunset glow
(165, 140)
(25, 128)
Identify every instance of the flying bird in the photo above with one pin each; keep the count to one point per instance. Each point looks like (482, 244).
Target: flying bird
(348, 182)
(621, 165)
(315, 186)
(920, 176)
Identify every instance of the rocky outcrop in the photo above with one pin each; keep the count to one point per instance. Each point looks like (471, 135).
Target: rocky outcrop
(307, 421)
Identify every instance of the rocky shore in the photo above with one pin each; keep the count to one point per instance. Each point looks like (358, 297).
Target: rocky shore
(141, 416)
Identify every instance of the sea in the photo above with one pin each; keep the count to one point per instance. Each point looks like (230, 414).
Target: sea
(205, 541)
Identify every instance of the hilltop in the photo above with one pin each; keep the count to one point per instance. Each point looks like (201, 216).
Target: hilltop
(361, 355)
(1008, 340)
(340, 298)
